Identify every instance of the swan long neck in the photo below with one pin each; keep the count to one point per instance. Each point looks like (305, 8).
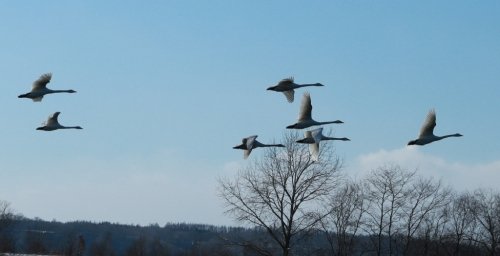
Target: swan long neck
(305, 85)
(331, 122)
(258, 144)
(332, 138)
(449, 135)
(272, 145)
(70, 127)
(59, 91)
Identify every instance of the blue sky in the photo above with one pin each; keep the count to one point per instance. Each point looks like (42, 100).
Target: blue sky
(166, 88)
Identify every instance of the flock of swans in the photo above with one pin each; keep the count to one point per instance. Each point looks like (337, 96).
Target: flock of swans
(286, 86)
(314, 137)
(38, 90)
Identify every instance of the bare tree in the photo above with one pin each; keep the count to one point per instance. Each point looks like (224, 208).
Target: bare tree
(387, 192)
(281, 191)
(423, 197)
(432, 233)
(486, 209)
(6, 214)
(7, 243)
(461, 224)
(346, 208)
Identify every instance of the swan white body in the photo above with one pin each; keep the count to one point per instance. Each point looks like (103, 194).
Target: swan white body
(305, 118)
(313, 138)
(287, 86)
(39, 89)
(426, 135)
(53, 124)
(249, 143)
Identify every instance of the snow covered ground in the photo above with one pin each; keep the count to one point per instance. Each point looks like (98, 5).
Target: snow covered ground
(16, 254)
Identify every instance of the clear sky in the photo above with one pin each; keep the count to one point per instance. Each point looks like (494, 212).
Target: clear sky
(166, 88)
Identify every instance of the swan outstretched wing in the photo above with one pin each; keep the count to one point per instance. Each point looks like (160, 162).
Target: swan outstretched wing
(317, 134)
(246, 153)
(52, 120)
(250, 142)
(286, 81)
(42, 81)
(429, 124)
(314, 149)
(305, 108)
(289, 95)
(55, 115)
(308, 134)
(37, 99)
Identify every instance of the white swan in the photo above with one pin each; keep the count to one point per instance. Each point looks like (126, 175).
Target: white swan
(313, 138)
(52, 124)
(305, 119)
(249, 143)
(40, 89)
(287, 86)
(426, 135)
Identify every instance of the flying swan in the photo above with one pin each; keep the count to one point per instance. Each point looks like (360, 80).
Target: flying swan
(249, 143)
(287, 86)
(52, 124)
(305, 119)
(426, 135)
(313, 138)
(39, 89)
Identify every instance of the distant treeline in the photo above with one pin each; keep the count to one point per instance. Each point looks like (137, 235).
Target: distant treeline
(36, 236)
